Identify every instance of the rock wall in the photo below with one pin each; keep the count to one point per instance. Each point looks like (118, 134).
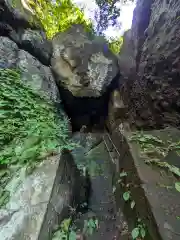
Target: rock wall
(152, 89)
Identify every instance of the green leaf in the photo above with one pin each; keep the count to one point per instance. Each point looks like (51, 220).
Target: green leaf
(119, 180)
(96, 223)
(135, 233)
(114, 189)
(65, 224)
(126, 196)
(92, 223)
(143, 232)
(72, 235)
(123, 174)
(133, 204)
(177, 186)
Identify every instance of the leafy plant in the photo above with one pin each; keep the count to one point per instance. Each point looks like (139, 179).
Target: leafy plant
(153, 146)
(30, 127)
(115, 44)
(65, 232)
(121, 175)
(90, 226)
(150, 145)
(177, 186)
(68, 232)
(133, 204)
(126, 196)
(139, 231)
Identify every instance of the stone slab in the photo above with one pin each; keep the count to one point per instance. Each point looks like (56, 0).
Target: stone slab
(152, 188)
(24, 215)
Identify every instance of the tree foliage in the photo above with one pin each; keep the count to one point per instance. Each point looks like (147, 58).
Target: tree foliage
(107, 15)
(59, 15)
(115, 44)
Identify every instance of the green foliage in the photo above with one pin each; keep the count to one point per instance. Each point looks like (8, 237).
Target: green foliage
(59, 16)
(115, 44)
(177, 186)
(126, 196)
(139, 231)
(123, 174)
(65, 232)
(90, 226)
(68, 232)
(133, 204)
(107, 15)
(154, 147)
(30, 129)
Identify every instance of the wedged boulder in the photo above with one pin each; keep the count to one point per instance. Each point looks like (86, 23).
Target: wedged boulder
(38, 76)
(83, 66)
(39, 201)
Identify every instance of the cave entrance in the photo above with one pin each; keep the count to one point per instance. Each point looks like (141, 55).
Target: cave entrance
(87, 111)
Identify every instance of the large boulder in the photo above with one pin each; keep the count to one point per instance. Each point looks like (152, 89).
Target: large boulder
(154, 90)
(38, 76)
(20, 25)
(84, 66)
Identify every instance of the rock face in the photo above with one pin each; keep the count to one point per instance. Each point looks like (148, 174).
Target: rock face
(15, 25)
(152, 93)
(85, 67)
(146, 183)
(39, 201)
(38, 76)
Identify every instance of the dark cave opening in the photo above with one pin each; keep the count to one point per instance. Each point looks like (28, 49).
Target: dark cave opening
(87, 111)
